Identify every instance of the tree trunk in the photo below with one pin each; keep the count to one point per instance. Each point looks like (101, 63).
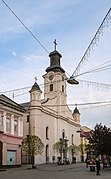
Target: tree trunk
(32, 158)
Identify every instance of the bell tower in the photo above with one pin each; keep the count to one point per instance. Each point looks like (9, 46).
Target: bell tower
(35, 104)
(55, 78)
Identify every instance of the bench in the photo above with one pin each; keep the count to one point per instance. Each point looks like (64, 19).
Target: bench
(92, 167)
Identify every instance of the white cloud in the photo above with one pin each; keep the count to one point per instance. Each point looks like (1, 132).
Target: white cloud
(14, 53)
(32, 57)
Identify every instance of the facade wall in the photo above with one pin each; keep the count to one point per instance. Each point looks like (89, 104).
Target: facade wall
(11, 127)
(56, 126)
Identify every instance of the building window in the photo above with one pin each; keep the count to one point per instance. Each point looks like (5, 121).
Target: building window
(62, 88)
(51, 87)
(1, 120)
(15, 126)
(8, 125)
(47, 132)
(47, 153)
(72, 138)
(8, 122)
(63, 134)
(28, 118)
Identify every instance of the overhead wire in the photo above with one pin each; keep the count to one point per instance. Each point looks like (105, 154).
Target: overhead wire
(94, 40)
(96, 69)
(95, 106)
(29, 87)
(103, 85)
(25, 26)
(90, 107)
(81, 104)
(90, 71)
(99, 67)
(107, 86)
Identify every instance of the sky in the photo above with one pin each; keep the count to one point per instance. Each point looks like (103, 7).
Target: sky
(73, 23)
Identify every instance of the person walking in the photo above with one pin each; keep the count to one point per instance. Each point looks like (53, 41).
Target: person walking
(97, 166)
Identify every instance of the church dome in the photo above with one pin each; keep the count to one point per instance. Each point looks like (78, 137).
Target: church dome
(55, 62)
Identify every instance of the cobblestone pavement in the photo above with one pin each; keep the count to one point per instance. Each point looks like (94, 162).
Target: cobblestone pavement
(54, 171)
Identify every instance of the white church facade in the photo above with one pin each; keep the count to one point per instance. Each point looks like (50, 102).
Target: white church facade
(50, 118)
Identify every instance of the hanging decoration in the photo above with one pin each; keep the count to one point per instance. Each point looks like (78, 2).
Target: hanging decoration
(94, 42)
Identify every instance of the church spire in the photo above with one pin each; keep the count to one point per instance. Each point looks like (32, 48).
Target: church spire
(35, 86)
(55, 60)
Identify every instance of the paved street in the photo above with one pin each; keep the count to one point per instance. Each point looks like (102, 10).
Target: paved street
(54, 171)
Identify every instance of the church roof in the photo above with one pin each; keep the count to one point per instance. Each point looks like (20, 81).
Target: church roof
(35, 87)
(76, 111)
(55, 52)
(85, 128)
(26, 105)
(5, 101)
(85, 131)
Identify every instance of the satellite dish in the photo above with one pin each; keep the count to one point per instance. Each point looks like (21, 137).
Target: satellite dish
(72, 81)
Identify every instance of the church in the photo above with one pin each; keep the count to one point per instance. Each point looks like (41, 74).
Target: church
(50, 118)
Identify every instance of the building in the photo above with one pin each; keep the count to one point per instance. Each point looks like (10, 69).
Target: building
(84, 134)
(50, 118)
(11, 132)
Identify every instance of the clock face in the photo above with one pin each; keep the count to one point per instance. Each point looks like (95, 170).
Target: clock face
(51, 77)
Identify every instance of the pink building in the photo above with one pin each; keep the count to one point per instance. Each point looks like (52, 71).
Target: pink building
(11, 132)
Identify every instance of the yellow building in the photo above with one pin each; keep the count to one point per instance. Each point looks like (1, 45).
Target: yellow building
(84, 133)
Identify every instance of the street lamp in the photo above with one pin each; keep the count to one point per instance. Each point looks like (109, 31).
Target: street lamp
(72, 81)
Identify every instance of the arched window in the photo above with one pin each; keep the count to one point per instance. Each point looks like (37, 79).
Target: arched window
(63, 133)
(47, 132)
(51, 87)
(47, 153)
(72, 138)
(62, 88)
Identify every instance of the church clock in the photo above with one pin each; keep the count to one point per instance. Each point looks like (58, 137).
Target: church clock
(51, 76)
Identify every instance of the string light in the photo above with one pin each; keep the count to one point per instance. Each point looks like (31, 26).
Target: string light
(93, 42)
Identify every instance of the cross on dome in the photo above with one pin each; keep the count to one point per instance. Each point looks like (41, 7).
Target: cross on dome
(55, 44)
(35, 79)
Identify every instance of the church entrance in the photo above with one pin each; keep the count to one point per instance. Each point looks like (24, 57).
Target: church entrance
(0, 154)
(47, 153)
